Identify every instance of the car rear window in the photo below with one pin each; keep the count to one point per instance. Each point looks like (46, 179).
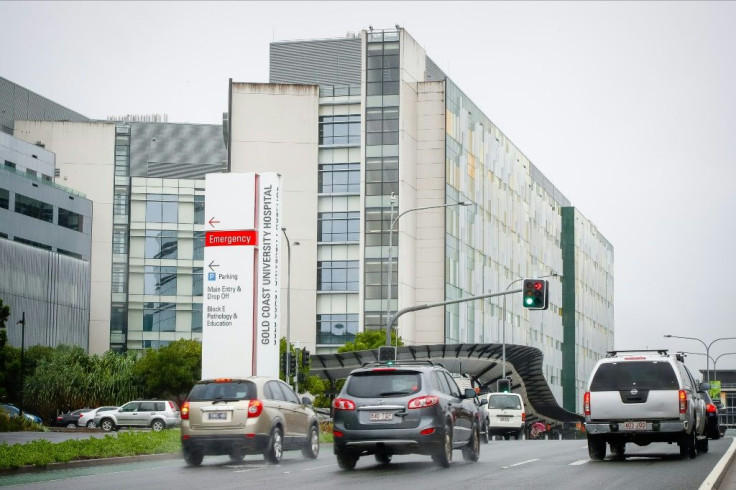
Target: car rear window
(509, 402)
(375, 384)
(646, 375)
(230, 390)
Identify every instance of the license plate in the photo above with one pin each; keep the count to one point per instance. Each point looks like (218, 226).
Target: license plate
(381, 416)
(634, 426)
(217, 415)
(504, 419)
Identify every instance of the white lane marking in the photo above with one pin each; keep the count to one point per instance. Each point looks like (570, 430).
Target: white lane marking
(319, 467)
(519, 464)
(720, 467)
(579, 462)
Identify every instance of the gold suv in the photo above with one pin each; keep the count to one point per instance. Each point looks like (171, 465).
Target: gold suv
(255, 415)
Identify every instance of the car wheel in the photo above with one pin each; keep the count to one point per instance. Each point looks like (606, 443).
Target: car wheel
(703, 445)
(517, 435)
(596, 448)
(484, 435)
(688, 446)
(237, 455)
(506, 437)
(346, 460)
(158, 425)
(311, 447)
(107, 425)
(471, 452)
(443, 456)
(618, 449)
(71, 425)
(275, 448)
(91, 424)
(193, 457)
(383, 458)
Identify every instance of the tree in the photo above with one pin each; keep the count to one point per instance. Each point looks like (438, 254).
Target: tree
(5, 352)
(170, 371)
(368, 340)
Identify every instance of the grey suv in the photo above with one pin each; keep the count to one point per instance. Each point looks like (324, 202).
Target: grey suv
(644, 397)
(404, 407)
(156, 414)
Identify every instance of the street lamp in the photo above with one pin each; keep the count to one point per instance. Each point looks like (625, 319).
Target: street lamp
(715, 373)
(390, 254)
(288, 299)
(22, 324)
(707, 349)
(503, 323)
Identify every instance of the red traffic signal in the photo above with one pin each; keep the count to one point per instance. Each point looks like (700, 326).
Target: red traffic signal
(535, 294)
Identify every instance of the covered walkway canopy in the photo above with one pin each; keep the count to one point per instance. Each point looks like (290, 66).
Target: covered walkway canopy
(482, 362)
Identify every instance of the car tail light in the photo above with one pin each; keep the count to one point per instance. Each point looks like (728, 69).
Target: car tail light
(337, 433)
(586, 403)
(173, 406)
(683, 401)
(343, 404)
(59, 418)
(255, 407)
(185, 411)
(710, 408)
(424, 401)
(427, 432)
(523, 416)
(383, 369)
(223, 380)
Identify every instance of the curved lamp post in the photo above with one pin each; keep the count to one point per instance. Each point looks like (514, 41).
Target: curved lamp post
(288, 298)
(707, 349)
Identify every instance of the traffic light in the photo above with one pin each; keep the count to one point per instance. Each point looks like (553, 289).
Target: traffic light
(535, 294)
(387, 353)
(292, 363)
(283, 363)
(503, 385)
(305, 358)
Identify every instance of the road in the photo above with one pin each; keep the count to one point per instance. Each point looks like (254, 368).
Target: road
(503, 464)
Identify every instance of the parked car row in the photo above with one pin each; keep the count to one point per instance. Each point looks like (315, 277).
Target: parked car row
(154, 414)
(14, 411)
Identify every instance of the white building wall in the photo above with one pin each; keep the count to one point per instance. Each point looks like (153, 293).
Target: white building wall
(85, 154)
(274, 128)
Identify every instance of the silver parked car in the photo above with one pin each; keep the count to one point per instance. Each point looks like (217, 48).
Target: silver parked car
(644, 397)
(156, 414)
(87, 419)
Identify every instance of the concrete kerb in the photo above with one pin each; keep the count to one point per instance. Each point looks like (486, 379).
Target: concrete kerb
(715, 478)
(85, 463)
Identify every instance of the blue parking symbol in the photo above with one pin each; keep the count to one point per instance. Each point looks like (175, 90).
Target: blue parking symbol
(210, 276)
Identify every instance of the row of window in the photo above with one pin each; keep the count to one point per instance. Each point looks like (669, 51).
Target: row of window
(339, 130)
(29, 172)
(43, 211)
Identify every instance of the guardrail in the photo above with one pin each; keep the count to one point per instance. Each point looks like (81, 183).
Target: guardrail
(727, 419)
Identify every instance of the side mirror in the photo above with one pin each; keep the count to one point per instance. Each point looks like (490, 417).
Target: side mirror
(704, 386)
(469, 393)
(306, 400)
(483, 402)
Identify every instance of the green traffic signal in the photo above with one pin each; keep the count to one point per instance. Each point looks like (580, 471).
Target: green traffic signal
(535, 294)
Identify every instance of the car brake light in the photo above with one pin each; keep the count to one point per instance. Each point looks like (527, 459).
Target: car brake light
(172, 405)
(255, 407)
(343, 404)
(683, 401)
(710, 408)
(427, 432)
(223, 380)
(586, 403)
(424, 401)
(523, 417)
(337, 433)
(185, 410)
(636, 358)
(383, 369)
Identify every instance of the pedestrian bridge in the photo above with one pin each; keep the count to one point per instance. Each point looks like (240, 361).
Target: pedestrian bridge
(482, 362)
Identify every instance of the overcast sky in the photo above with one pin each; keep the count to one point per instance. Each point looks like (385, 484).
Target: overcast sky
(629, 108)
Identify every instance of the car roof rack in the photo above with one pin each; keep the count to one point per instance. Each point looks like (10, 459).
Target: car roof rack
(614, 353)
(425, 362)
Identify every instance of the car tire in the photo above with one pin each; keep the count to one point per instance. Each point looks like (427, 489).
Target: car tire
(596, 448)
(688, 447)
(237, 454)
(158, 425)
(383, 458)
(485, 437)
(346, 459)
(311, 447)
(91, 424)
(107, 425)
(275, 448)
(506, 437)
(618, 449)
(193, 457)
(702, 445)
(71, 425)
(517, 435)
(471, 452)
(443, 456)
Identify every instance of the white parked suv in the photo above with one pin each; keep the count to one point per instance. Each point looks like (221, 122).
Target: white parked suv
(506, 415)
(643, 397)
(156, 414)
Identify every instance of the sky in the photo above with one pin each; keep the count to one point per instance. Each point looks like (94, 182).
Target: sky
(629, 108)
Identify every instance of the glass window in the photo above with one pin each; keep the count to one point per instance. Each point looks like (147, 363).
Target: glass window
(339, 178)
(120, 202)
(4, 198)
(161, 244)
(118, 318)
(197, 317)
(337, 328)
(338, 275)
(34, 208)
(197, 281)
(199, 210)
(31, 243)
(384, 384)
(232, 390)
(289, 395)
(339, 130)
(9, 164)
(159, 317)
(68, 253)
(338, 227)
(119, 239)
(648, 375)
(198, 247)
(159, 280)
(70, 219)
(155, 344)
(162, 208)
(273, 392)
(119, 278)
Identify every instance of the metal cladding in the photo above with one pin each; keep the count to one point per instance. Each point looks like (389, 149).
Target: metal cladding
(481, 361)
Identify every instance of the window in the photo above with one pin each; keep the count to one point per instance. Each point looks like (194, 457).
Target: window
(155, 344)
(382, 384)
(382, 126)
(34, 208)
(338, 275)
(337, 328)
(197, 281)
(10, 165)
(120, 202)
(4, 198)
(646, 375)
(119, 239)
(32, 243)
(119, 278)
(198, 247)
(197, 317)
(159, 280)
(69, 254)
(338, 227)
(339, 178)
(159, 317)
(31, 173)
(161, 244)
(339, 130)
(199, 210)
(118, 318)
(162, 208)
(70, 219)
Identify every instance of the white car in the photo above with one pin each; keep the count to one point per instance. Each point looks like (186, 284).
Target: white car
(506, 415)
(88, 418)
